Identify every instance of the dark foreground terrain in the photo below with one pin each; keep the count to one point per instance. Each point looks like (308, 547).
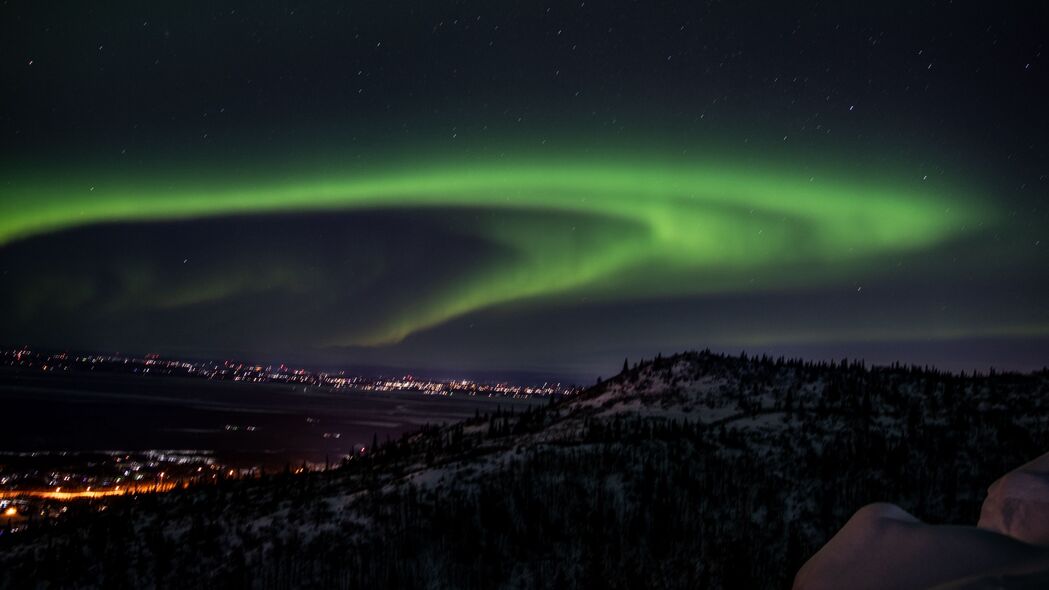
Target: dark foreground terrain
(696, 470)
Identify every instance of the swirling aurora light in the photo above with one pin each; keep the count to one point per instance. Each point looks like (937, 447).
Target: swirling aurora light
(651, 229)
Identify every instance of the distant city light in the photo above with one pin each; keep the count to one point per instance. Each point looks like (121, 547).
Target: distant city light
(228, 370)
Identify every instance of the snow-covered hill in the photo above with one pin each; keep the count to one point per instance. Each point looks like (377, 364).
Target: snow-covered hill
(696, 470)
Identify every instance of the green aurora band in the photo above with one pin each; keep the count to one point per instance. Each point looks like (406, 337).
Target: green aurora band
(645, 229)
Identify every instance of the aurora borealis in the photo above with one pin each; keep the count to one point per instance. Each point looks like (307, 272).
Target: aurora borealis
(394, 197)
(655, 230)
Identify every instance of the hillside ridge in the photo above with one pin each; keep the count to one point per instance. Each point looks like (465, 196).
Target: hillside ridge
(696, 469)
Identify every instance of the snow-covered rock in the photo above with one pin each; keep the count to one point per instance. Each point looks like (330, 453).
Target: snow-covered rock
(1018, 504)
(882, 546)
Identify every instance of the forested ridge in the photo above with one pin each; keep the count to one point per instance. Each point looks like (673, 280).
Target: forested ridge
(697, 470)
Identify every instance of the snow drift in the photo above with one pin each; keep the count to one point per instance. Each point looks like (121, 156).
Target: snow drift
(882, 546)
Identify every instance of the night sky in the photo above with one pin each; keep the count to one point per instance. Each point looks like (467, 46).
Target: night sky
(521, 186)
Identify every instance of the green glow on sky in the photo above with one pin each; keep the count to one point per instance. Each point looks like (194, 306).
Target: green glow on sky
(651, 228)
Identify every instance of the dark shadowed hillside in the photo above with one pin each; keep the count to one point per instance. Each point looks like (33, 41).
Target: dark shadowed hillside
(696, 470)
